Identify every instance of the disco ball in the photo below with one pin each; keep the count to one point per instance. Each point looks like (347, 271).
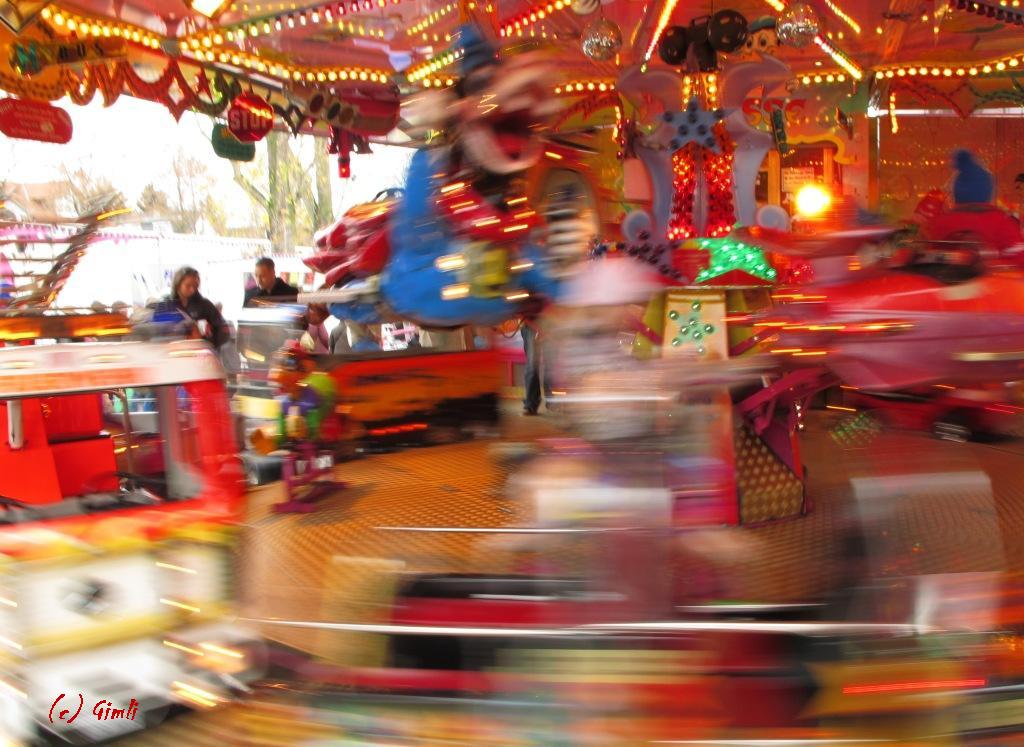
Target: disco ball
(797, 25)
(601, 40)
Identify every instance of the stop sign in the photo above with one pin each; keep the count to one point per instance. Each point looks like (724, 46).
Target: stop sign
(250, 117)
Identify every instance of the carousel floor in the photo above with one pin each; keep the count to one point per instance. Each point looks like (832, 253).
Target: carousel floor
(950, 508)
(955, 507)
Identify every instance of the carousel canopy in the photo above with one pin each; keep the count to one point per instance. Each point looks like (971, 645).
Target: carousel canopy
(202, 53)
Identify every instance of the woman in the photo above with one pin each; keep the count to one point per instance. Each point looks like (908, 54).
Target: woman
(185, 298)
(317, 338)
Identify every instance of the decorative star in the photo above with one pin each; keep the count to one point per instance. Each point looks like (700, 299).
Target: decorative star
(694, 125)
(692, 329)
(729, 256)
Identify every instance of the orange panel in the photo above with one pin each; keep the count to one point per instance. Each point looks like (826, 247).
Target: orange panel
(85, 466)
(72, 415)
(28, 474)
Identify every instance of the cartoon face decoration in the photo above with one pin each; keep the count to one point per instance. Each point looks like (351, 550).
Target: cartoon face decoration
(762, 39)
(498, 111)
(503, 108)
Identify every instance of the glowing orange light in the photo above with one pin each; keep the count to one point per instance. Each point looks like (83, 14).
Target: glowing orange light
(893, 687)
(812, 200)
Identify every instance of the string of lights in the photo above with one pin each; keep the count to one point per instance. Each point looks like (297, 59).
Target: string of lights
(287, 71)
(718, 175)
(441, 61)
(319, 15)
(842, 16)
(839, 57)
(684, 182)
(585, 86)
(820, 78)
(1000, 11)
(421, 26)
(97, 28)
(516, 25)
(946, 70)
(663, 19)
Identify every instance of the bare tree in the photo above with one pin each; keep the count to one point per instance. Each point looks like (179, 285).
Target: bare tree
(292, 200)
(85, 190)
(191, 192)
(154, 202)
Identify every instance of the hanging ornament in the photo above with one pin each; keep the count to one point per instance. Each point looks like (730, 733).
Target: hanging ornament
(797, 25)
(601, 40)
(250, 118)
(585, 7)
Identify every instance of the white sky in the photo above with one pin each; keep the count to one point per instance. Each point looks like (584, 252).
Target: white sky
(133, 143)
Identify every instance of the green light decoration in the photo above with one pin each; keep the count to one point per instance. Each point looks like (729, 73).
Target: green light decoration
(692, 329)
(728, 255)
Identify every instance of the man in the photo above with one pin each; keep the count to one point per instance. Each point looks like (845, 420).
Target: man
(536, 377)
(268, 284)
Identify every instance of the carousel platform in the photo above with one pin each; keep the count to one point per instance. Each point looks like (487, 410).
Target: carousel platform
(958, 508)
(955, 508)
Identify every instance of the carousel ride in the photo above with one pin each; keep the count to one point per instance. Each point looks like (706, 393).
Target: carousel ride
(547, 143)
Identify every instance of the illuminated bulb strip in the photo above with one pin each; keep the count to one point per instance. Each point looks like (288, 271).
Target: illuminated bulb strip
(711, 87)
(321, 14)
(516, 25)
(96, 28)
(945, 71)
(842, 16)
(892, 113)
(822, 78)
(663, 19)
(585, 86)
(776, 5)
(687, 88)
(430, 20)
(289, 72)
(424, 69)
(438, 82)
(361, 31)
(839, 58)
(1001, 12)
